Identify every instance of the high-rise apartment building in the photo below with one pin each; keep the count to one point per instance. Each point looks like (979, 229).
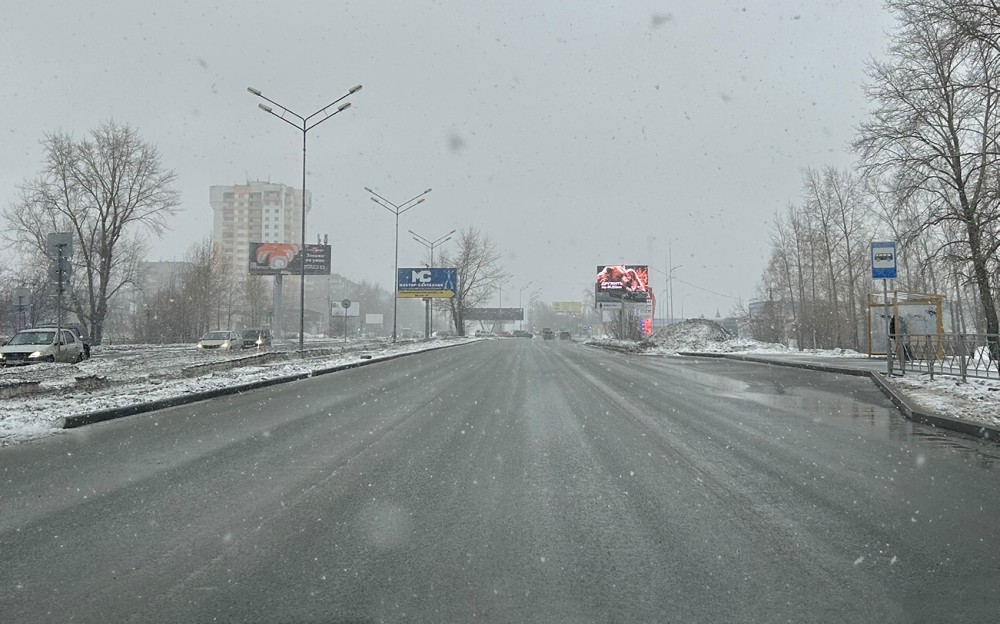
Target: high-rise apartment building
(255, 212)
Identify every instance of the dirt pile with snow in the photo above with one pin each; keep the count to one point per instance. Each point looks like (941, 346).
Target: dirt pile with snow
(691, 335)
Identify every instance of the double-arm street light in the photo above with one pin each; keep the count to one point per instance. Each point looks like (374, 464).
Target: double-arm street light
(670, 289)
(304, 125)
(431, 245)
(396, 210)
(500, 287)
(520, 324)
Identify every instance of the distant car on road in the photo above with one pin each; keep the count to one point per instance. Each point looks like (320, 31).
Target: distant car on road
(522, 333)
(547, 334)
(257, 338)
(223, 340)
(565, 335)
(29, 346)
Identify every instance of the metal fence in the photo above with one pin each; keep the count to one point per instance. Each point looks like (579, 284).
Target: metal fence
(964, 355)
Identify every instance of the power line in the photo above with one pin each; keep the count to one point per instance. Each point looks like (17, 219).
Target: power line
(707, 290)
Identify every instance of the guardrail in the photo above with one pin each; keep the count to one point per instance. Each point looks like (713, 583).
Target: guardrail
(964, 355)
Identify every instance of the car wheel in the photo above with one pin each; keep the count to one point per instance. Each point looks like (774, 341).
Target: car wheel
(50, 359)
(79, 358)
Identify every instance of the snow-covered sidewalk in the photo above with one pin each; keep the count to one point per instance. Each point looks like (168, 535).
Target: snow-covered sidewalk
(976, 401)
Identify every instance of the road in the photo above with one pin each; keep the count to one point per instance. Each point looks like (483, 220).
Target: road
(508, 481)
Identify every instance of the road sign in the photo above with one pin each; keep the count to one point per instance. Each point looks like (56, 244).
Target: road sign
(57, 242)
(346, 308)
(883, 259)
(426, 282)
(22, 298)
(60, 270)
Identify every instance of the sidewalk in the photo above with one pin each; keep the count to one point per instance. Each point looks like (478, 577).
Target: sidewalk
(875, 369)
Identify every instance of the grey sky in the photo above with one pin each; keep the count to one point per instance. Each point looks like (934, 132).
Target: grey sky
(573, 133)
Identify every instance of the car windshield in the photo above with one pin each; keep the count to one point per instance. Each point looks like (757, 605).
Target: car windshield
(749, 250)
(33, 338)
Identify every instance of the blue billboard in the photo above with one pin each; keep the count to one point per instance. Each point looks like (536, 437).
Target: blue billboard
(426, 282)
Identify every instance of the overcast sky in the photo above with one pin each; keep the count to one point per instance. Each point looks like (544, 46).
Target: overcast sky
(573, 133)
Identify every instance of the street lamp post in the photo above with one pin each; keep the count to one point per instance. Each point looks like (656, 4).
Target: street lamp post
(519, 293)
(428, 302)
(670, 289)
(531, 305)
(304, 126)
(500, 287)
(396, 210)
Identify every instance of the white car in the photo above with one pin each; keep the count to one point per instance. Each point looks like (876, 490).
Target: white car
(29, 346)
(222, 340)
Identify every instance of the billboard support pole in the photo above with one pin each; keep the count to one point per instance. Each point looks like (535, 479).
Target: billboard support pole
(277, 322)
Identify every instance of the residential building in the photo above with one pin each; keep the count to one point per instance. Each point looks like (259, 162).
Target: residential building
(255, 212)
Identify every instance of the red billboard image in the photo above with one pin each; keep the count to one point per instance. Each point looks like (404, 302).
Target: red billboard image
(622, 282)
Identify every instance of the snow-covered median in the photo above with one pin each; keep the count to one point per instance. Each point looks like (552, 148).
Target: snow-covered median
(120, 377)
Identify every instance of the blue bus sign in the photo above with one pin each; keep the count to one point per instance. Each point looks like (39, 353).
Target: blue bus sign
(883, 258)
(425, 282)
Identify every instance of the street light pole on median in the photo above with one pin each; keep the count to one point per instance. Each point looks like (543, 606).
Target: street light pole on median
(303, 126)
(396, 210)
(521, 322)
(429, 302)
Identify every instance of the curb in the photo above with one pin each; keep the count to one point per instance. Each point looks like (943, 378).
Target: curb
(902, 403)
(114, 413)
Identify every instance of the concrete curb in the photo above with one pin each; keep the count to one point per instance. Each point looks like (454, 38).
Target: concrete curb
(72, 422)
(902, 403)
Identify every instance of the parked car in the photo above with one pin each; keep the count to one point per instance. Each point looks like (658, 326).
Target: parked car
(565, 335)
(258, 338)
(29, 346)
(547, 333)
(223, 340)
(522, 333)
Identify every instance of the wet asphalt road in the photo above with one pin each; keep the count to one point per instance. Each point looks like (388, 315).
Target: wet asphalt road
(509, 481)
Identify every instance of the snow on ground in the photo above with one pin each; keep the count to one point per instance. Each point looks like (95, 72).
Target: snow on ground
(977, 401)
(129, 375)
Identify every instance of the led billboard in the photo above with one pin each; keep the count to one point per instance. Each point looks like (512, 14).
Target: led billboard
(622, 282)
(274, 258)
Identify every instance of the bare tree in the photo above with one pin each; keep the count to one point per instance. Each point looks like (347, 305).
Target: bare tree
(109, 190)
(256, 295)
(478, 266)
(934, 130)
(206, 286)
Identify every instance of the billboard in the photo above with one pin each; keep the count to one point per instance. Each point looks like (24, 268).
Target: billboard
(494, 314)
(568, 307)
(622, 282)
(426, 282)
(285, 258)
